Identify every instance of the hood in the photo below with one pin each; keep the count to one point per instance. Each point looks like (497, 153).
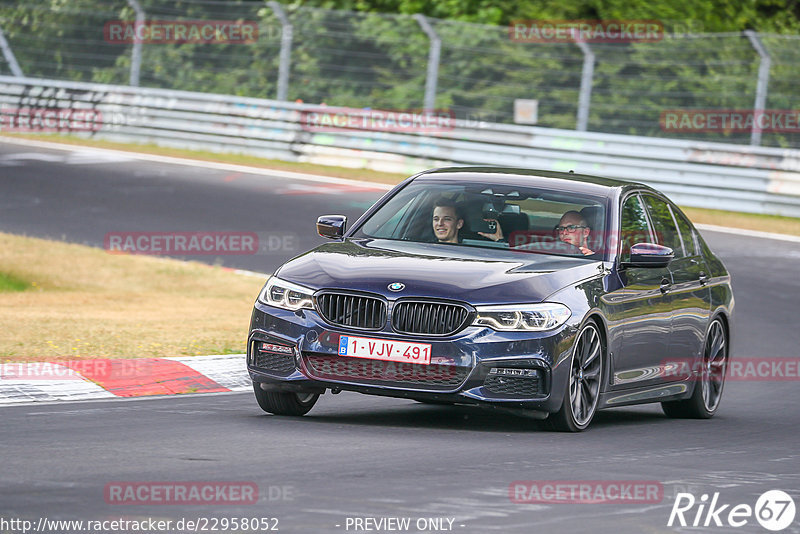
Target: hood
(470, 274)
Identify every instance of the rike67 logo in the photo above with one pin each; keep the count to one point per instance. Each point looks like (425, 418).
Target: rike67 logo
(774, 510)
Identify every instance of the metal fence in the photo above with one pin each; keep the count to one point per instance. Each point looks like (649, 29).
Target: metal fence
(398, 62)
(712, 175)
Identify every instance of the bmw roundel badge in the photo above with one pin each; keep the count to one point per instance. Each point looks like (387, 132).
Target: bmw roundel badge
(397, 286)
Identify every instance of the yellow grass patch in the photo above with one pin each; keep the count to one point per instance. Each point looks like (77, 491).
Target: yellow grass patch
(87, 303)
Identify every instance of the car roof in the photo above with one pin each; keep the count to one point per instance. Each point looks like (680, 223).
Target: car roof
(566, 181)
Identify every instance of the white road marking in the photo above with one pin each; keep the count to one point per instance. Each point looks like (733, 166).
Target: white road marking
(77, 157)
(31, 156)
(325, 189)
(27, 391)
(85, 157)
(199, 164)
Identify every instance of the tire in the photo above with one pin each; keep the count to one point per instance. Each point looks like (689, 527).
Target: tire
(583, 383)
(284, 403)
(707, 394)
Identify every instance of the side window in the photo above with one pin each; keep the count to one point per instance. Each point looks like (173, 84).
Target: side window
(389, 229)
(664, 225)
(633, 226)
(390, 221)
(686, 231)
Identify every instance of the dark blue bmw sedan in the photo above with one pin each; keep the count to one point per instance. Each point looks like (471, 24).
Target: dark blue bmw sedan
(549, 294)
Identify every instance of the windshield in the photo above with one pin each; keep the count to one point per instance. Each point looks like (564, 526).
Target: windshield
(518, 218)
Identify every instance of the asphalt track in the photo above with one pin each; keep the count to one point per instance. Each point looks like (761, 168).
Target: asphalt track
(355, 456)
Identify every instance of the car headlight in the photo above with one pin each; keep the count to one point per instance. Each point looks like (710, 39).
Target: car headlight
(286, 295)
(522, 317)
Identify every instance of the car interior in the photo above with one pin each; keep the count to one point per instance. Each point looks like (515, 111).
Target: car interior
(527, 218)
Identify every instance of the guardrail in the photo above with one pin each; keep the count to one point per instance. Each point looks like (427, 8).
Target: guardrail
(710, 175)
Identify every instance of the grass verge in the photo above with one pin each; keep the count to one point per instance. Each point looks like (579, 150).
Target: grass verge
(9, 283)
(748, 221)
(84, 303)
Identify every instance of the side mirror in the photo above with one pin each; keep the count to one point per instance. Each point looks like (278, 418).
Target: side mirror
(649, 255)
(331, 226)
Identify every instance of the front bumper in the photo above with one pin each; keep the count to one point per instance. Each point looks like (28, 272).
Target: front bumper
(298, 351)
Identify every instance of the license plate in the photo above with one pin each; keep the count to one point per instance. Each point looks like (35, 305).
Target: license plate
(382, 349)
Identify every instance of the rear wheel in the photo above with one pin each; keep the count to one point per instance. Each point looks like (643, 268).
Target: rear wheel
(284, 402)
(707, 393)
(583, 387)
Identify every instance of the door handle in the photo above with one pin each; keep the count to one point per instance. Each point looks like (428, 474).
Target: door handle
(703, 278)
(665, 286)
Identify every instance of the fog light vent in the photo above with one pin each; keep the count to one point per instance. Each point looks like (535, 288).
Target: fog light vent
(514, 382)
(272, 357)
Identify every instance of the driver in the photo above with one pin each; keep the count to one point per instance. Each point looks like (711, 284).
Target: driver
(447, 221)
(573, 229)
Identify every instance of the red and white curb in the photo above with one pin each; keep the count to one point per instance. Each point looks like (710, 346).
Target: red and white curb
(68, 380)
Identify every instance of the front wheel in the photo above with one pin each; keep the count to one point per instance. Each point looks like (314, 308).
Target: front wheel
(583, 386)
(284, 402)
(707, 394)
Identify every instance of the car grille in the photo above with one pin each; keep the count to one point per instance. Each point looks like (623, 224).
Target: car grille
(513, 386)
(356, 311)
(379, 372)
(431, 318)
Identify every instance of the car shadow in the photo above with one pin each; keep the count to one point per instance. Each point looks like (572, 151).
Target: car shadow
(629, 416)
(470, 418)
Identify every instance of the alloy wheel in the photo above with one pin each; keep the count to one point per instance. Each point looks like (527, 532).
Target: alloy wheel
(715, 361)
(584, 381)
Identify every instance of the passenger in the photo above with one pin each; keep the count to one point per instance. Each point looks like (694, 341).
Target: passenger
(447, 221)
(573, 229)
